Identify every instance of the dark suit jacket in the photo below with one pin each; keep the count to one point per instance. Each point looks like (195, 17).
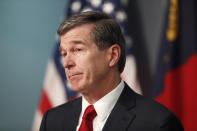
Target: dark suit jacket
(132, 112)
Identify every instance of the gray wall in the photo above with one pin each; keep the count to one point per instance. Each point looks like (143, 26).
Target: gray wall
(27, 38)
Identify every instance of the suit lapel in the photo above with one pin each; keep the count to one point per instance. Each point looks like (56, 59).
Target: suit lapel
(122, 114)
(72, 118)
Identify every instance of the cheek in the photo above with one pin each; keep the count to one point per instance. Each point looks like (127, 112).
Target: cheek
(89, 66)
(93, 65)
(99, 67)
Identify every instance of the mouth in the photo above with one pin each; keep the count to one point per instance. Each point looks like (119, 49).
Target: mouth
(74, 76)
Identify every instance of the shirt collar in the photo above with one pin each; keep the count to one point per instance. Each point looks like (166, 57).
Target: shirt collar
(105, 105)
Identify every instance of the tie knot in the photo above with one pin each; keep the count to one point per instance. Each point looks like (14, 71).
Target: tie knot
(89, 113)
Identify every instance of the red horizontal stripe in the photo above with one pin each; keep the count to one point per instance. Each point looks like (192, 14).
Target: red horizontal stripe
(180, 93)
(45, 103)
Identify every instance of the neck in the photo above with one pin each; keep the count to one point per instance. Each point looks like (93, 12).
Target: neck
(102, 88)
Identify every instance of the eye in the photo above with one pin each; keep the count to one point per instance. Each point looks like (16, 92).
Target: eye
(64, 54)
(77, 49)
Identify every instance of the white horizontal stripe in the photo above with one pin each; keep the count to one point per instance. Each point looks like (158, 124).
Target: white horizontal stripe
(37, 121)
(54, 86)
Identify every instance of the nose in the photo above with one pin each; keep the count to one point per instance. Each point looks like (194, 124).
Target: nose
(68, 61)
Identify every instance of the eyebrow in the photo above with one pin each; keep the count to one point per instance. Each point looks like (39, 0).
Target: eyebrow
(75, 42)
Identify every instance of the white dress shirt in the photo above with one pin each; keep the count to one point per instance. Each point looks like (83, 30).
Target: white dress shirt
(103, 107)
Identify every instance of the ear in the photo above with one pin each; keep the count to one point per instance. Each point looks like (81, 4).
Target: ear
(114, 54)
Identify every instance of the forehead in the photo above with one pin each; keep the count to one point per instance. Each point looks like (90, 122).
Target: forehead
(77, 35)
(81, 31)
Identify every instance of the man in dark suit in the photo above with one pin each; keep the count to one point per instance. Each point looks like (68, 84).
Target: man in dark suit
(93, 48)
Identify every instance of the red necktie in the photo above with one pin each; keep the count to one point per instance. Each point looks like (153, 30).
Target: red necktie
(88, 116)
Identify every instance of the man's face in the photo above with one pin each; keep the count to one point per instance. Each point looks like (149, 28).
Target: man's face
(85, 65)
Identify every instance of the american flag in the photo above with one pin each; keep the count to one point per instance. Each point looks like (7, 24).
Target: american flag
(56, 89)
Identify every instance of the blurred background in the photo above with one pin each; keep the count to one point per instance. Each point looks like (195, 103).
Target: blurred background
(27, 41)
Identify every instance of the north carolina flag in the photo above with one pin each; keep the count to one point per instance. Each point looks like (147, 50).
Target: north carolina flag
(176, 78)
(56, 89)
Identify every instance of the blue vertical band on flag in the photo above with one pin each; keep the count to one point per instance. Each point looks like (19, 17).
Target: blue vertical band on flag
(175, 82)
(174, 53)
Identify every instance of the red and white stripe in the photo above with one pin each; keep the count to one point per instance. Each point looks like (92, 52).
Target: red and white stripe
(53, 94)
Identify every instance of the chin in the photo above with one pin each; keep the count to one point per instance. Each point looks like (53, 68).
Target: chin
(77, 88)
